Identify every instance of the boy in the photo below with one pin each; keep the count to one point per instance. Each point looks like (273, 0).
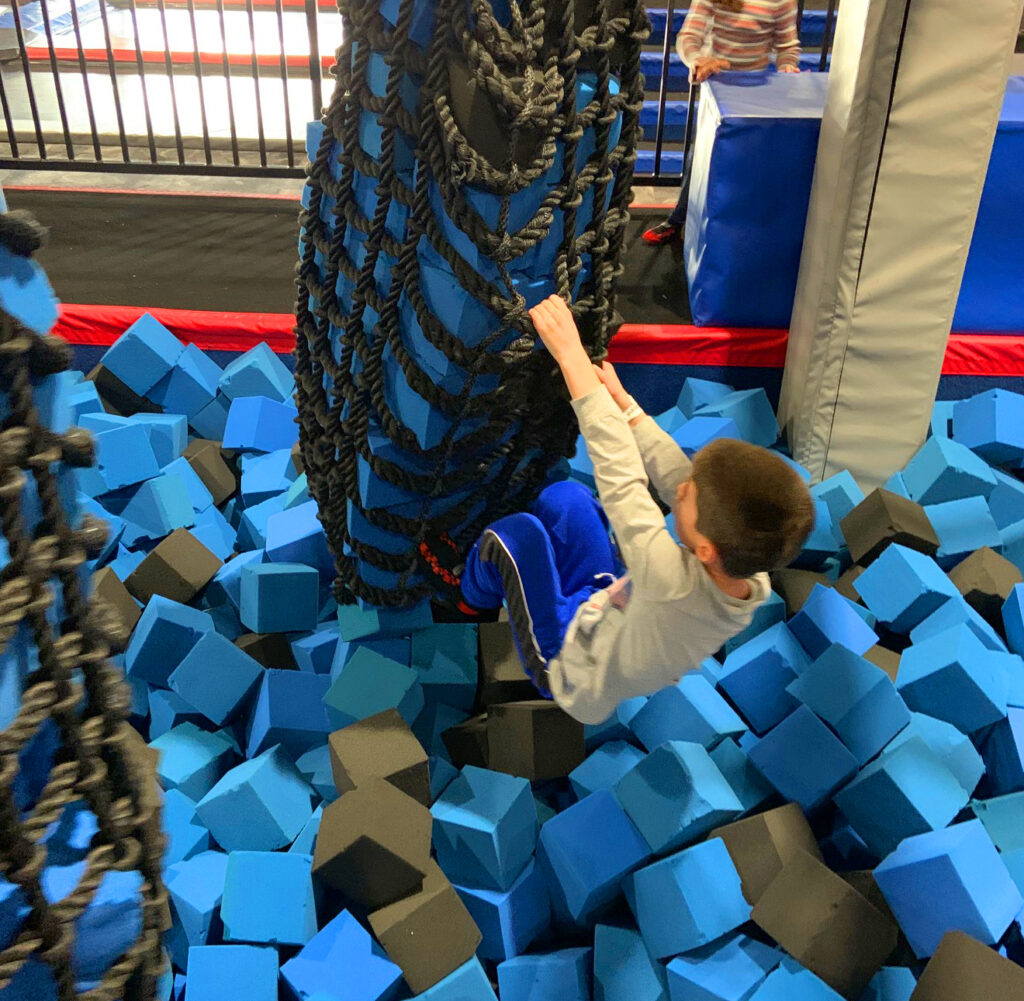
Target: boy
(590, 637)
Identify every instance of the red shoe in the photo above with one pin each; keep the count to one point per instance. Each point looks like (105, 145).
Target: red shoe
(664, 232)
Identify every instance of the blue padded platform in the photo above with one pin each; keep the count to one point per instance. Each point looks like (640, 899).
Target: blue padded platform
(752, 171)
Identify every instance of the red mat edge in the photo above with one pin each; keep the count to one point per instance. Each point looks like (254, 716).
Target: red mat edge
(981, 354)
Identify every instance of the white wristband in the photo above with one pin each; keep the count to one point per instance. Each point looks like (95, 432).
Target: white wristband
(633, 411)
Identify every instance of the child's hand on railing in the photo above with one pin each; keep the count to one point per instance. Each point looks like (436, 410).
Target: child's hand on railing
(707, 66)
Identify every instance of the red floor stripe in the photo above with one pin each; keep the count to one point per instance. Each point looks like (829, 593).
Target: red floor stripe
(991, 355)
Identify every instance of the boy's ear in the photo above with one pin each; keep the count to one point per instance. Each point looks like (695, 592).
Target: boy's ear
(706, 551)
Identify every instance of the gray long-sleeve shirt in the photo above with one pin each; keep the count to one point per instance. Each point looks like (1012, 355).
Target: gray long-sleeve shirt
(648, 629)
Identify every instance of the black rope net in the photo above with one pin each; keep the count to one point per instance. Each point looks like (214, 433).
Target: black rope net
(78, 803)
(476, 156)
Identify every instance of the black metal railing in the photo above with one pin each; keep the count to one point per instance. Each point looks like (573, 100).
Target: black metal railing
(227, 86)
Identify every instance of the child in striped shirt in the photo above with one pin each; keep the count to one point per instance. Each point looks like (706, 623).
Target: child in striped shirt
(731, 35)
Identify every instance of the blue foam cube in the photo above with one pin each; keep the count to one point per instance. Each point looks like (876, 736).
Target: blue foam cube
(368, 684)
(616, 727)
(279, 597)
(827, 618)
(446, 658)
(305, 841)
(891, 983)
(315, 767)
(510, 920)
(260, 805)
(259, 424)
(167, 710)
(357, 622)
(752, 412)
(190, 385)
(1013, 619)
(856, 698)
(143, 354)
(314, 652)
(585, 873)
(191, 760)
(211, 421)
(991, 424)
(689, 899)
(164, 635)
(699, 393)
(691, 711)
(342, 944)
(962, 526)
(1003, 817)
(956, 612)
(1002, 748)
(265, 475)
(624, 969)
(752, 789)
(217, 678)
(295, 535)
(756, 674)
(840, 493)
(168, 434)
(949, 880)
(124, 457)
(259, 372)
(186, 834)
(803, 759)
(675, 795)
(944, 470)
(792, 983)
(701, 430)
(566, 975)
(195, 887)
(268, 898)
(467, 983)
(231, 973)
(906, 791)
(721, 971)
(953, 677)
(603, 768)
(903, 587)
(289, 711)
(953, 748)
(159, 506)
(485, 829)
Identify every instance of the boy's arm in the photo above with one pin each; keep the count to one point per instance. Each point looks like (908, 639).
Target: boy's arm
(665, 462)
(644, 541)
(690, 40)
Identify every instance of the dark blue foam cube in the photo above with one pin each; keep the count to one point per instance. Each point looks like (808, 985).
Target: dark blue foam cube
(803, 759)
(756, 674)
(231, 973)
(891, 983)
(217, 678)
(212, 419)
(268, 898)
(510, 920)
(191, 759)
(903, 587)
(675, 795)
(485, 829)
(691, 711)
(314, 652)
(368, 684)
(447, 660)
(143, 354)
(289, 711)
(827, 618)
(566, 974)
(906, 791)
(259, 424)
(1013, 619)
(689, 899)
(279, 597)
(260, 805)
(953, 676)
(342, 944)
(358, 622)
(259, 372)
(168, 709)
(856, 698)
(585, 873)
(949, 880)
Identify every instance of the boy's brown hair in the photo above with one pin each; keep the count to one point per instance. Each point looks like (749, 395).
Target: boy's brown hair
(752, 505)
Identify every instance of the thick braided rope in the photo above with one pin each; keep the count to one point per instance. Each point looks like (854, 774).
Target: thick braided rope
(75, 690)
(502, 443)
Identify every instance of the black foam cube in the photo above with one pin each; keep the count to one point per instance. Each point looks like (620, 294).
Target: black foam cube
(501, 672)
(467, 743)
(985, 579)
(535, 740)
(882, 518)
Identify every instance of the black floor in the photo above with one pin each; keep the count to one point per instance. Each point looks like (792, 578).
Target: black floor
(239, 254)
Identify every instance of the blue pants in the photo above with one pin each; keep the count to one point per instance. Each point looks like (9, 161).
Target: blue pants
(543, 565)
